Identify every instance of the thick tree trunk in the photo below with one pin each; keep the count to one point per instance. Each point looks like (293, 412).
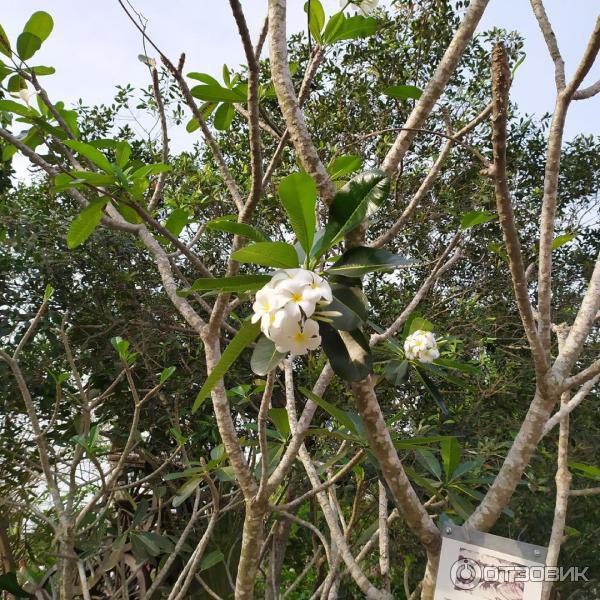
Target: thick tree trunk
(252, 539)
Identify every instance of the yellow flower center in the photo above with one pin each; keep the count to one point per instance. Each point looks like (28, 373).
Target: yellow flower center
(296, 296)
(299, 337)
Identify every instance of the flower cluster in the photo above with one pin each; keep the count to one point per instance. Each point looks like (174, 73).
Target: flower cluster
(364, 7)
(421, 346)
(284, 307)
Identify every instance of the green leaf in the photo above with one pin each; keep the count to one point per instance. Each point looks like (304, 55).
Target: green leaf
(416, 323)
(221, 224)
(465, 468)
(86, 221)
(166, 373)
(403, 92)
(396, 371)
(247, 333)
(237, 283)
(15, 107)
(121, 346)
(265, 356)
(563, 239)
(210, 560)
(216, 93)
(334, 24)
(427, 459)
(27, 45)
(298, 194)
(204, 78)
(39, 24)
(352, 303)
(461, 505)
(347, 351)
(350, 28)
(40, 70)
(344, 165)
(361, 259)
(433, 391)
(147, 170)
(588, 471)
(458, 366)
(268, 254)
(122, 154)
(4, 43)
(476, 217)
(450, 450)
(224, 116)
(316, 18)
(279, 416)
(48, 292)
(177, 220)
(8, 581)
(91, 154)
(339, 415)
(16, 83)
(353, 203)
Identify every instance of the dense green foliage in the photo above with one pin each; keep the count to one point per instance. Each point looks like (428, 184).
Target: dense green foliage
(453, 421)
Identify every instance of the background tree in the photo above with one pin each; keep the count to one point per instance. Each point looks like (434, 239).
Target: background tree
(160, 527)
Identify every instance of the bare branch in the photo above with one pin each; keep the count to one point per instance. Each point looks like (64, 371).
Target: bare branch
(289, 104)
(500, 87)
(551, 178)
(551, 42)
(429, 180)
(436, 85)
(438, 270)
(160, 105)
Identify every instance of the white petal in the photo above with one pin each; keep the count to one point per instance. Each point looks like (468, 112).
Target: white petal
(311, 328)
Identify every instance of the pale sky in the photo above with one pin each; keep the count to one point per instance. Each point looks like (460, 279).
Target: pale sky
(94, 46)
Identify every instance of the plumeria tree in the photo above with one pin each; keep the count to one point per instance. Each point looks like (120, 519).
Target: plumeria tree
(299, 301)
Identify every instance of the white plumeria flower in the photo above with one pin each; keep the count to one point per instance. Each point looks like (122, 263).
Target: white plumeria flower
(24, 95)
(299, 275)
(297, 338)
(298, 295)
(364, 7)
(268, 300)
(320, 286)
(422, 346)
(283, 307)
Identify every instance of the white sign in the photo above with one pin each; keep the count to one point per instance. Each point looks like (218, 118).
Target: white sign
(478, 566)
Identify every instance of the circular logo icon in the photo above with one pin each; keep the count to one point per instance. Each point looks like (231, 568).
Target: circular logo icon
(465, 574)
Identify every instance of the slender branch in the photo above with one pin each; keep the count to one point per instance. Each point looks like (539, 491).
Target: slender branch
(439, 270)
(568, 408)
(337, 536)
(436, 85)
(160, 105)
(262, 433)
(384, 538)
(500, 87)
(584, 376)
(563, 485)
(339, 475)
(430, 179)
(179, 590)
(289, 104)
(585, 492)
(551, 180)
(253, 111)
(550, 38)
(382, 446)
